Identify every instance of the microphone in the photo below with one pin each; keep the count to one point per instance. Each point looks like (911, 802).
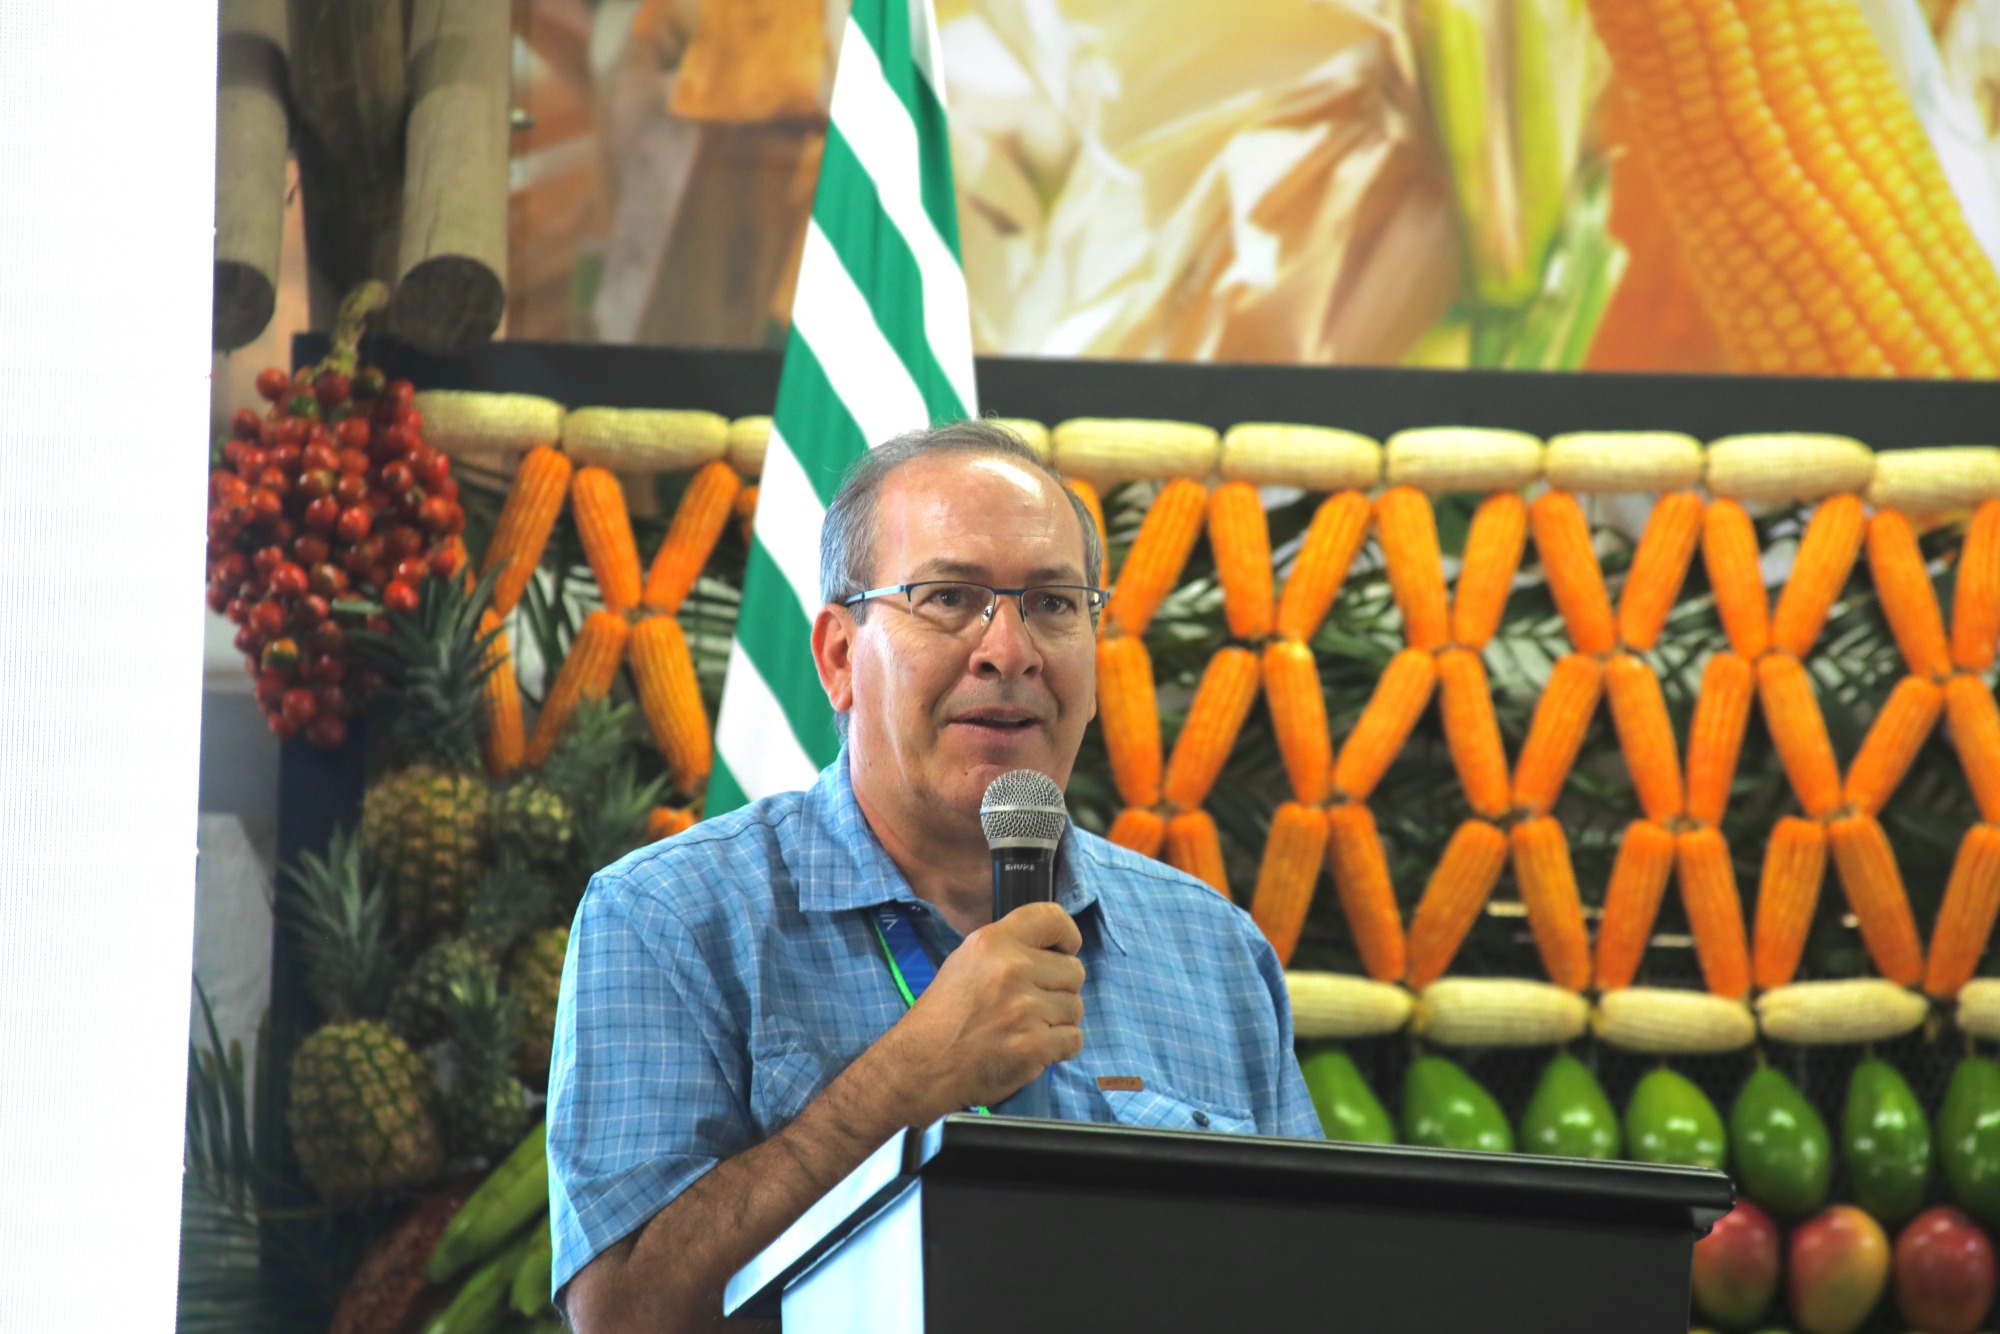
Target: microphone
(1023, 816)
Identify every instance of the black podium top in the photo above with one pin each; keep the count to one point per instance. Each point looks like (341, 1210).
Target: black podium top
(1196, 1164)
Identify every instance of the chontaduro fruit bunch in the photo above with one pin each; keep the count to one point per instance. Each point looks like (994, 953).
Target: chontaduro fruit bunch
(324, 510)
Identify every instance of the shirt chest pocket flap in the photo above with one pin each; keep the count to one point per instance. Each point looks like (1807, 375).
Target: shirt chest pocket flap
(1157, 1109)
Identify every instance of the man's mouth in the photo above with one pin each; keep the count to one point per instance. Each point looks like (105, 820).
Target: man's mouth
(999, 720)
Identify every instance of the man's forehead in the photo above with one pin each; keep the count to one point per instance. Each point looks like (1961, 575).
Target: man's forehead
(955, 492)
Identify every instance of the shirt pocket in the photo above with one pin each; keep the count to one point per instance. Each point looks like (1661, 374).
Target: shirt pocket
(1159, 1109)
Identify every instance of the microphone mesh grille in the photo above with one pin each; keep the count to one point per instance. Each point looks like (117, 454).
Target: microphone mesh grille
(1023, 806)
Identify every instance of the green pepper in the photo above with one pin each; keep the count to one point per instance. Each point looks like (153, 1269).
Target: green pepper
(1969, 1137)
(1348, 1109)
(1445, 1108)
(1784, 1156)
(1569, 1115)
(1886, 1142)
(1669, 1120)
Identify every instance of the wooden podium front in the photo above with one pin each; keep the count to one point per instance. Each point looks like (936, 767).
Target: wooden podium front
(982, 1224)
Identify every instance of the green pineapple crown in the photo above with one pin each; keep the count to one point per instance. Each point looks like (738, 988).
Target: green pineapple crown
(481, 1019)
(341, 920)
(434, 666)
(600, 734)
(513, 900)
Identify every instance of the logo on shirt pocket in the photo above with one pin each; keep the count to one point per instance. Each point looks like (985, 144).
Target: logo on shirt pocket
(1134, 1103)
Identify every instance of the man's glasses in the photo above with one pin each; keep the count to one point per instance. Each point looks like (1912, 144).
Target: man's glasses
(1053, 613)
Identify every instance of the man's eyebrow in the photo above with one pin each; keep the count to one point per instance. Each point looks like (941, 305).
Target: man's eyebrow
(961, 569)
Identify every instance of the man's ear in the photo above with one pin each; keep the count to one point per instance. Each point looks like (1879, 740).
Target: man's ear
(833, 655)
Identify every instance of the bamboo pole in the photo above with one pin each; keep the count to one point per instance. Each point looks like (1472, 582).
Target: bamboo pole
(251, 138)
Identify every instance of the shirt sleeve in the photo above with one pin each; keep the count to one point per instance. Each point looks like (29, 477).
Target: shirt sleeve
(646, 1078)
(1287, 1108)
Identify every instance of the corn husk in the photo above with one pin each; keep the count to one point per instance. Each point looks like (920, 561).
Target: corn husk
(1316, 458)
(1785, 467)
(1340, 1005)
(1598, 462)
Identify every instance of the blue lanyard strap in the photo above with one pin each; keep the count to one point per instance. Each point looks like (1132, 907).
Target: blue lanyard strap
(908, 964)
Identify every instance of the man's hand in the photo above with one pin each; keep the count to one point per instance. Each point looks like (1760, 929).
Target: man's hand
(1005, 1006)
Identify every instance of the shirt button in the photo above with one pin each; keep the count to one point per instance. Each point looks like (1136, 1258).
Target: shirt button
(1201, 1119)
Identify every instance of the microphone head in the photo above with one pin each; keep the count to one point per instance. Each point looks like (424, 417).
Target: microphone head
(1023, 808)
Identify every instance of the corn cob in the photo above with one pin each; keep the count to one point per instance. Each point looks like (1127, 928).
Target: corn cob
(1298, 718)
(1194, 846)
(1975, 731)
(1459, 887)
(1407, 530)
(1899, 731)
(1029, 432)
(1472, 732)
(1975, 607)
(1965, 919)
(1978, 1012)
(1240, 537)
(1875, 893)
(586, 673)
(1461, 458)
(691, 537)
(1659, 567)
(644, 440)
(1714, 911)
(1729, 550)
(666, 821)
(1548, 890)
(1142, 831)
(598, 503)
(1588, 462)
(502, 741)
(522, 529)
(1313, 458)
(670, 697)
(1338, 528)
(1632, 902)
(745, 511)
(1361, 877)
(1773, 469)
(1639, 712)
(485, 426)
(1337, 1005)
(1715, 737)
(1934, 481)
(1493, 547)
(1562, 717)
(1787, 897)
(1087, 493)
(1221, 702)
(1798, 732)
(1130, 718)
(1840, 1013)
(1903, 587)
(1288, 874)
(1104, 450)
(1666, 1021)
(1820, 569)
(746, 442)
(1399, 699)
(1562, 538)
(1153, 565)
(1498, 1012)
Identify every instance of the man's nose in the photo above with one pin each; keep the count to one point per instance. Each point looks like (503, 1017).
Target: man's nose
(1005, 648)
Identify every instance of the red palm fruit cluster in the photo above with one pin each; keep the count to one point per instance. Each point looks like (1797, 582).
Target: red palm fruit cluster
(324, 510)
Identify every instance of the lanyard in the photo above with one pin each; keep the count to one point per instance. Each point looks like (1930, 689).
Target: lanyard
(908, 964)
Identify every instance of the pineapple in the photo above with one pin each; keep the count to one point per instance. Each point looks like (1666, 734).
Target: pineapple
(362, 1114)
(532, 821)
(512, 899)
(417, 1005)
(485, 1107)
(534, 976)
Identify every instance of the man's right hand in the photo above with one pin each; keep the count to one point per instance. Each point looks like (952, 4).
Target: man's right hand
(1005, 1006)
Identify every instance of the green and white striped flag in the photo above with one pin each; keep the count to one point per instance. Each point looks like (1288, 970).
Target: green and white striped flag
(881, 343)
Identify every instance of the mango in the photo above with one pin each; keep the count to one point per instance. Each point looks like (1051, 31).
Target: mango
(1445, 1108)
(1669, 1120)
(1837, 1270)
(1784, 1156)
(1569, 1116)
(1969, 1137)
(1348, 1109)
(1885, 1141)
(1736, 1267)
(1944, 1272)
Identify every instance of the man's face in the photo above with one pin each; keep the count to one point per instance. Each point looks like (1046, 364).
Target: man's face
(941, 715)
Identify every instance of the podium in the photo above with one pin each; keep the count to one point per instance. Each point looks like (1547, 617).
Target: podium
(979, 1224)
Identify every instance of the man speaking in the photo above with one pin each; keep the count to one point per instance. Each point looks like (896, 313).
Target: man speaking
(752, 1007)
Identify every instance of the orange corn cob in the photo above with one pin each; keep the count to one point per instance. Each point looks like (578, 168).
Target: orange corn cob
(1130, 718)
(1140, 830)
(1338, 528)
(1458, 889)
(1158, 554)
(1632, 902)
(1361, 875)
(1893, 740)
(502, 741)
(1378, 735)
(1975, 731)
(598, 503)
(1087, 493)
(586, 673)
(1975, 608)
(1820, 568)
(745, 511)
(1787, 897)
(1194, 846)
(1287, 875)
(1735, 572)
(1798, 731)
(670, 697)
(1562, 539)
(1407, 530)
(522, 529)
(1875, 892)
(1714, 911)
(1493, 547)
(1965, 918)
(1298, 718)
(1715, 737)
(1639, 712)
(1659, 567)
(1240, 537)
(666, 821)
(1473, 732)
(1562, 717)
(697, 525)
(1221, 702)
(1908, 600)
(1548, 891)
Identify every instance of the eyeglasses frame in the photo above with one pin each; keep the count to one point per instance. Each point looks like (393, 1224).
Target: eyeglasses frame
(1093, 597)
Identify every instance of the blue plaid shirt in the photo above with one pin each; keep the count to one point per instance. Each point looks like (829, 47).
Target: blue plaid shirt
(718, 980)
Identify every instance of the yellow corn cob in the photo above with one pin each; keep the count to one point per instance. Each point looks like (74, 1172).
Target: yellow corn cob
(1899, 731)
(1140, 830)
(1787, 896)
(1338, 528)
(1399, 699)
(1461, 458)
(1975, 608)
(1166, 536)
(1298, 718)
(1975, 731)
(1472, 733)
(487, 428)
(1087, 493)
(1658, 568)
(746, 441)
(598, 503)
(1498, 1012)
(1666, 1021)
(1978, 1013)
(502, 741)
(1338, 1005)
(1562, 717)
(1314, 458)
(1903, 587)
(1407, 530)
(1562, 539)
(1819, 571)
(1030, 433)
(644, 440)
(522, 529)
(1240, 537)
(1632, 902)
(1639, 712)
(586, 673)
(697, 524)
(1130, 718)
(666, 821)
(1194, 846)
(1773, 469)
(1714, 911)
(1287, 875)
(1935, 481)
(1965, 918)
(1622, 461)
(1361, 877)
(1221, 702)
(1840, 1013)
(1798, 732)
(1493, 547)
(1715, 737)
(1876, 895)
(1104, 450)
(1547, 883)
(1729, 549)
(670, 697)
(1459, 887)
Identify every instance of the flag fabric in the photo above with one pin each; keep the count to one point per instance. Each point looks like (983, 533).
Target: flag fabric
(880, 344)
